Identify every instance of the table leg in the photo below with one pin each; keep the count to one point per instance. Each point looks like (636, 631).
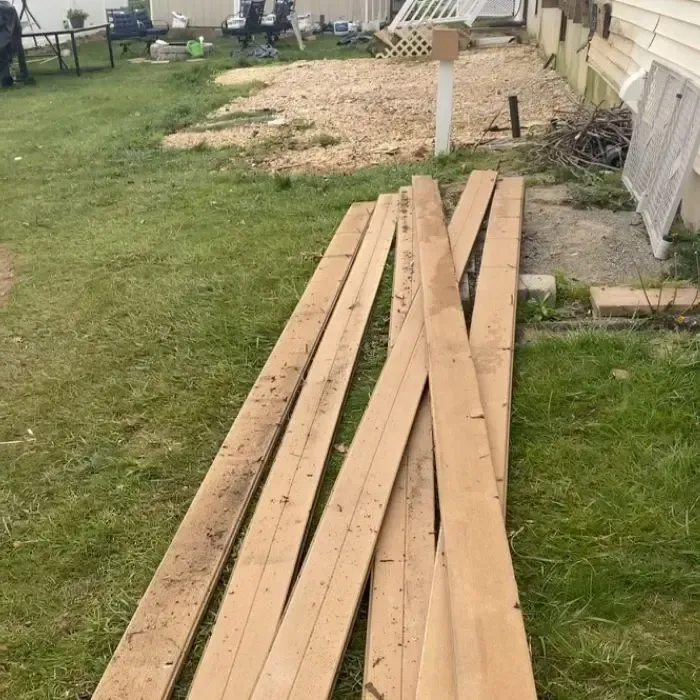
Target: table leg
(22, 61)
(61, 63)
(74, 44)
(109, 45)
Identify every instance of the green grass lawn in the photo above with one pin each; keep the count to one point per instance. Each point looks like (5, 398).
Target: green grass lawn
(152, 284)
(604, 511)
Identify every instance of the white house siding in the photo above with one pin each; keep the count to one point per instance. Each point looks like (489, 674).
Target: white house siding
(641, 31)
(51, 14)
(210, 13)
(352, 10)
(202, 13)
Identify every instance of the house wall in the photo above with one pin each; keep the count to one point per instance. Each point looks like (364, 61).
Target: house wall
(641, 31)
(353, 10)
(202, 13)
(645, 30)
(210, 13)
(51, 14)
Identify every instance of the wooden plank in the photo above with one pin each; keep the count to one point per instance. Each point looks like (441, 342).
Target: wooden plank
(405, 284)
(308, 649)
(491, 652)
(493, 339)
(628, 301)
(153, 648)
(405, 552)
(436, 676)
(384, 36)
(493, 321)
(257, 591)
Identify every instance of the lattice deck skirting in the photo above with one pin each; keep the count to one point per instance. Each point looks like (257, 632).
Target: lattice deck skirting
(413, 41)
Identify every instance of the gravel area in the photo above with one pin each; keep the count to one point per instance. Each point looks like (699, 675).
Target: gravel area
(347, 114)
(589, 246)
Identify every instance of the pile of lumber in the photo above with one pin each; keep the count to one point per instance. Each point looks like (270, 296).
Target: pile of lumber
(444, 617)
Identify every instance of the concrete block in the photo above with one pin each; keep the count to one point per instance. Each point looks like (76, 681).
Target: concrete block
(175, 52)
(541, 287)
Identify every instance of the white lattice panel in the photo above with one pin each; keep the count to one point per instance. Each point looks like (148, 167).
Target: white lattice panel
(414, 13)
(660, 204)
(414, 41)
(664, 143)
(656, 112)
(500, 8)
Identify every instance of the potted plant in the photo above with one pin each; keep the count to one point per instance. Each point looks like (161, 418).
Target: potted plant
(77, 17)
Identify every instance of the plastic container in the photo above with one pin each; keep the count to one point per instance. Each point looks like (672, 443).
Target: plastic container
(195, 48)
(179, 21)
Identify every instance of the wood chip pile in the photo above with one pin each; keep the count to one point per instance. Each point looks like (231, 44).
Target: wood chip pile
(380, 111)
(444, 618)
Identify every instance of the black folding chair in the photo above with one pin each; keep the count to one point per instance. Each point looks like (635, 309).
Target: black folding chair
(281, 23)
(253, 23)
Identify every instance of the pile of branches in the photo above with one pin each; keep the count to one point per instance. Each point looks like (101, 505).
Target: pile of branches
(587, 137)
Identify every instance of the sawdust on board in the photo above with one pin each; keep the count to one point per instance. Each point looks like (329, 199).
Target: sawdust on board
(7, 275)
(362, 112)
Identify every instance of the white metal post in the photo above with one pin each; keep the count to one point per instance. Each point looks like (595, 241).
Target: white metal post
(443, 112)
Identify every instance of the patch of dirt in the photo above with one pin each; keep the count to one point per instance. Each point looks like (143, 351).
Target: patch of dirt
(589, 246)
(254, 74)
(380, 111)
(7, 274)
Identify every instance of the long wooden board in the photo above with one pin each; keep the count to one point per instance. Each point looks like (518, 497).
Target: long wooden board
(627, 301)
(493, 338)
(437, 677)
(152, 651)
(405, 552)
(262, 576)
(493, 323)
(309, 645)
(491, 652)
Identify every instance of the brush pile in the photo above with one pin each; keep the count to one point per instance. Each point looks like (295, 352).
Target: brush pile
(588, 136)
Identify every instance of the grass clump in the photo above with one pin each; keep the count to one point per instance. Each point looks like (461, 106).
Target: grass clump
(326, 140)
(686, 253)
(282, 182)
(537, 310)
(571, 291)
(600, 189)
